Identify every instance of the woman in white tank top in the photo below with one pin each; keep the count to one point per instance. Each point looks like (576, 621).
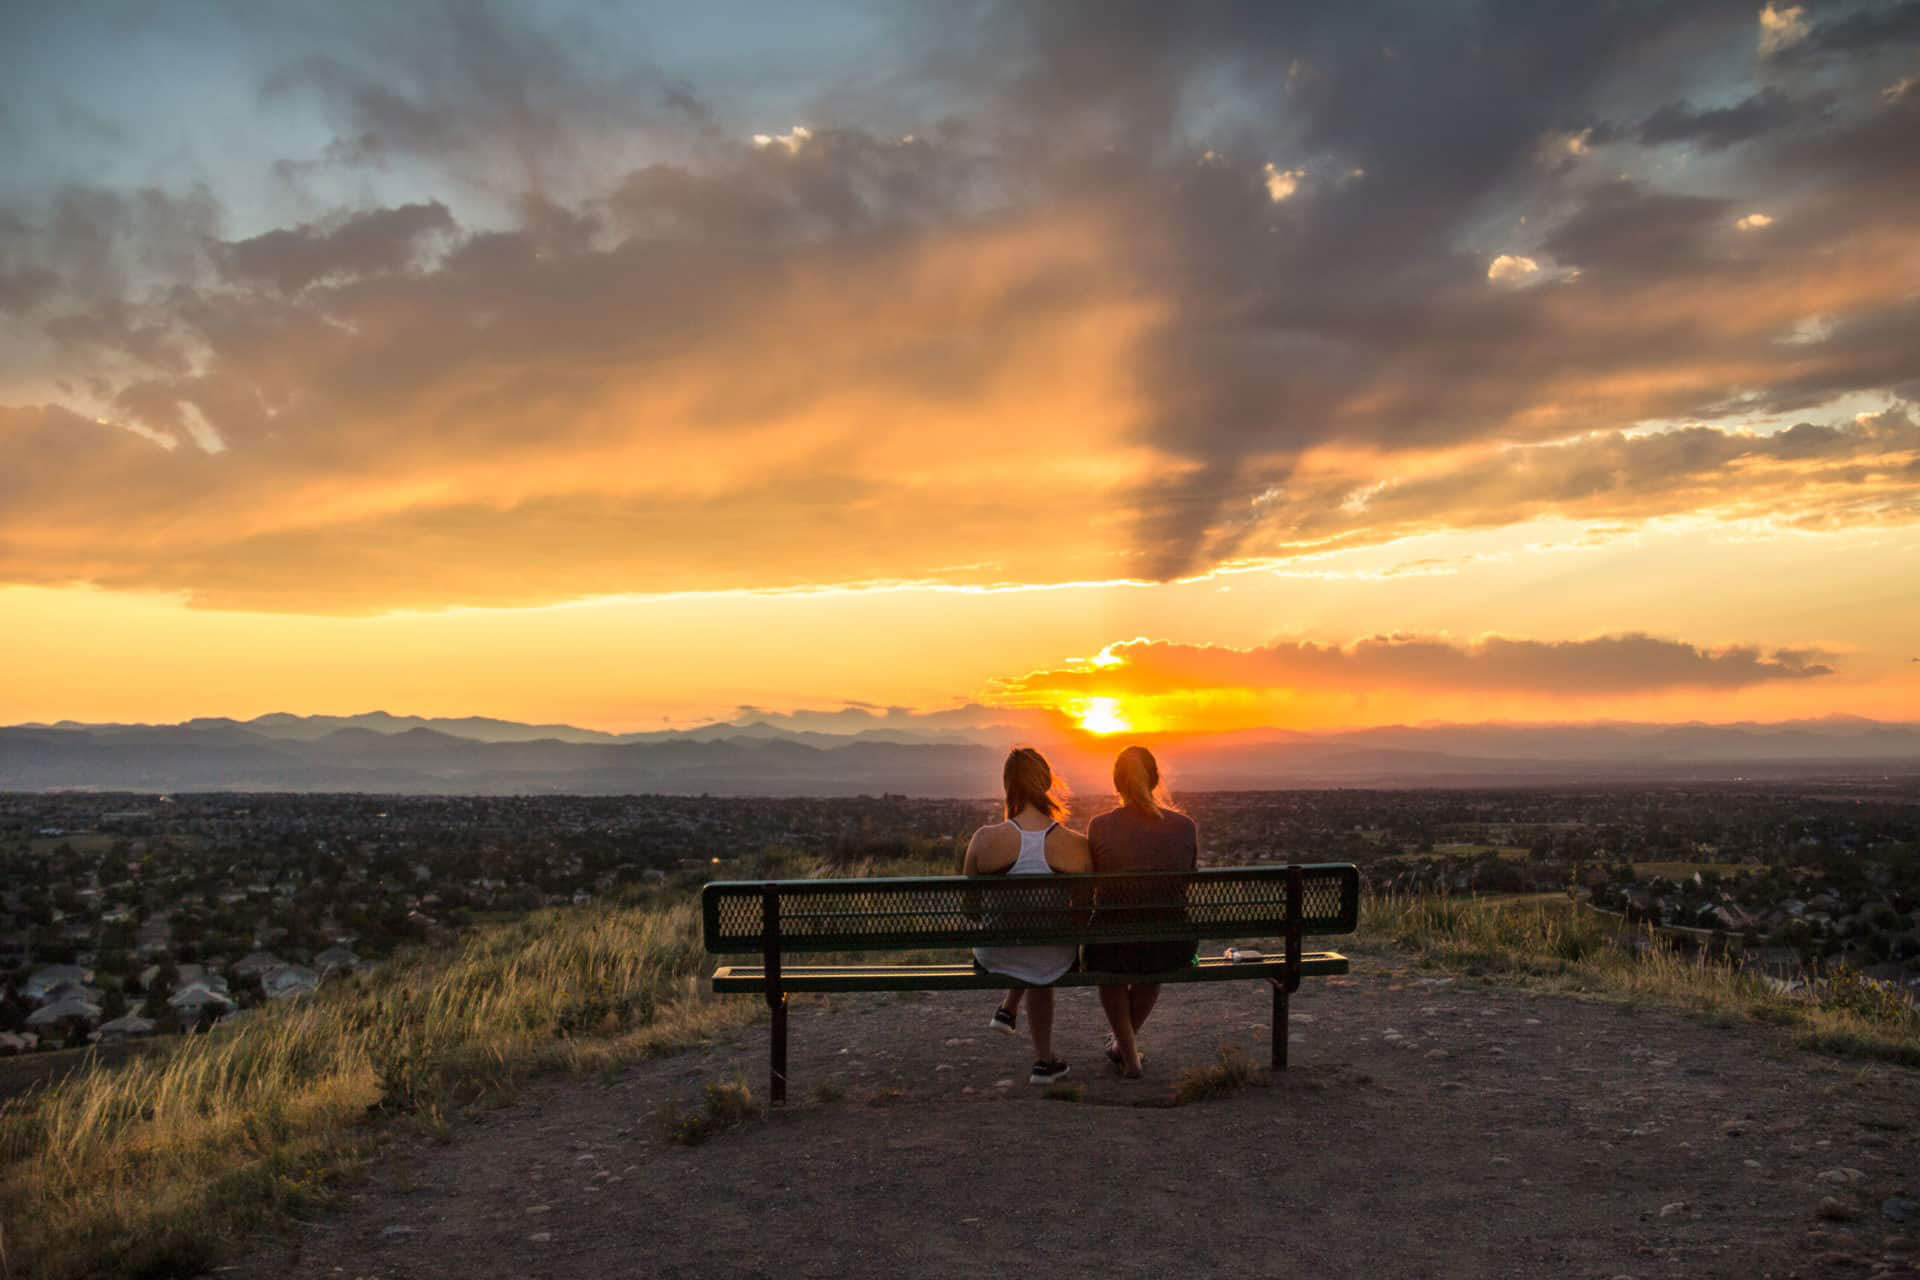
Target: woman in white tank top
(1030, 842)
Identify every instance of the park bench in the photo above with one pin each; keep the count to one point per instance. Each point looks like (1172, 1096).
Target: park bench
(782, 918)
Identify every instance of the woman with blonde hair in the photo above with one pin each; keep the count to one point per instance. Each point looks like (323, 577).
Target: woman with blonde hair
(1143, 833)
(1031, 842)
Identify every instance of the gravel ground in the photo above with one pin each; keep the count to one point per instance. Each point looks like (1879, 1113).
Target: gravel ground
(1429, 1127)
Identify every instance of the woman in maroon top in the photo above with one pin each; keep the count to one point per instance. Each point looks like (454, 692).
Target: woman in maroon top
(1143, 834)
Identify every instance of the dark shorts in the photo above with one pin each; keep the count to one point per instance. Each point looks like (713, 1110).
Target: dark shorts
(1137, 957)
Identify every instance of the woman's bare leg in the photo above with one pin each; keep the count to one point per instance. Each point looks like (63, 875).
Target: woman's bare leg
(1140, 1001)
(1011, 1002)
(1116, 1002)
(1040, 1022)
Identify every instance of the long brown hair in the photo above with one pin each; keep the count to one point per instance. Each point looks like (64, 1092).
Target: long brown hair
(1029, 781)
(1136, 775)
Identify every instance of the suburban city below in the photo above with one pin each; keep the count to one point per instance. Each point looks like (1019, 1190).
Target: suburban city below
(125, 915)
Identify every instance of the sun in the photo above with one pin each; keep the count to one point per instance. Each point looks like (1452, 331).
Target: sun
(1103, 716)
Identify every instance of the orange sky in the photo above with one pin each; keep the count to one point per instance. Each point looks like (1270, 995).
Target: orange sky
(646, 662)
(1280, 377)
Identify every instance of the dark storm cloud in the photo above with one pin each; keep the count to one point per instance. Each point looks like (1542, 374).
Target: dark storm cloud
(379, 240)
(22, 289)
(1870, 28)
(1622, 227)
(476, 94)
(1356, 306)
(1717, 128)
(1355, 310)
(1262, 233)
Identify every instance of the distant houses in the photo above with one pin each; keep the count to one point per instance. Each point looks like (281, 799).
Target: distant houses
(70, 990)
(194, 1002)
(255, 964)
(64, 1013)
(42, 981)
(282, 981)
(65, 1005)
(336, 960)
(127, 1027)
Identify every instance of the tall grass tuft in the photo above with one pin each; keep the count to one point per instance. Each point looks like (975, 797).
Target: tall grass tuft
(728, 1105)
(1554, 944)
(1230, 1071)
(153, 1165)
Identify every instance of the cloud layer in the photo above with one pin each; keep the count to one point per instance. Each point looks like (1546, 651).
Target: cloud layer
(1028, 295)
(1602, 667)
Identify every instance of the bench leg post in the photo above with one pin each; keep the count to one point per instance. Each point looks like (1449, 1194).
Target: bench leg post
(777, 1078)
(1290, 981)
(1279, 1026)
(776, 998)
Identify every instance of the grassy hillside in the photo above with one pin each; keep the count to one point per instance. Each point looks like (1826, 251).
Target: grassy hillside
(148, 1166)
(1547, 943)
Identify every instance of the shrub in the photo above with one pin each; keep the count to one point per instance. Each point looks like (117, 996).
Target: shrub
(728, 1105)
(1230, 1071)
(1849, 990)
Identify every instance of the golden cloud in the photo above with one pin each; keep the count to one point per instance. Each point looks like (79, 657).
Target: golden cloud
(1603, 666)
(629, 347)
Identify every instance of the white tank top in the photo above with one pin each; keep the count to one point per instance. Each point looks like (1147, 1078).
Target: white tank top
(1037, 966)
(1033, 851)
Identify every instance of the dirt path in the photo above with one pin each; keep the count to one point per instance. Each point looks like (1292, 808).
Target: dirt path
(1427, 1128)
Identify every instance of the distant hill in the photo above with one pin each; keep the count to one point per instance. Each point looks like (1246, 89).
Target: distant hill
(388, 753)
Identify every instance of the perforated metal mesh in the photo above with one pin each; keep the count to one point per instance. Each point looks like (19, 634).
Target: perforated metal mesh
(933, 911)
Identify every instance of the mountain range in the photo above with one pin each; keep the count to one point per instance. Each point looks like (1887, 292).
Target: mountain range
(875, 754)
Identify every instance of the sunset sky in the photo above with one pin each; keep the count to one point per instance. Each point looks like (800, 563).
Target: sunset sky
(1174, 367)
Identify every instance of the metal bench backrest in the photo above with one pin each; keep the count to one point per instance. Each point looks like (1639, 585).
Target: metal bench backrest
(908, 912)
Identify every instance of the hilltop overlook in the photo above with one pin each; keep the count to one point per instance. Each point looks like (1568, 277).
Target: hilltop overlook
(1430, 1126)
(1514, 1084)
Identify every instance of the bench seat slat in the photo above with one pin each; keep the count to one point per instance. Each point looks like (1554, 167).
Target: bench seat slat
(964, 977)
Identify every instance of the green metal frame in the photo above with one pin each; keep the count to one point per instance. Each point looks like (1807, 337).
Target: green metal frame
(808, 909)
(774, 917)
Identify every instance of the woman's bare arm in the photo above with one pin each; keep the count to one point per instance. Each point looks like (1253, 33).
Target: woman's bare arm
(1068, 851)
(988, 854)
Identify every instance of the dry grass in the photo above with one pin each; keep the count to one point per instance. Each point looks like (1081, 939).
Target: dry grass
(1548, 944)
(152, 1166)
(728, 1105)
(1230, 1071)
(156, 1165)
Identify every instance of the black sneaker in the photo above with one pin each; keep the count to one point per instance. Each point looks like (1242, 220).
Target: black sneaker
(1047, 1072)
(1003, 1022)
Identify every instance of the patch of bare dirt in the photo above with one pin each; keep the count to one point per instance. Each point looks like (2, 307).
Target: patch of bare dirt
(1428, 1128)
